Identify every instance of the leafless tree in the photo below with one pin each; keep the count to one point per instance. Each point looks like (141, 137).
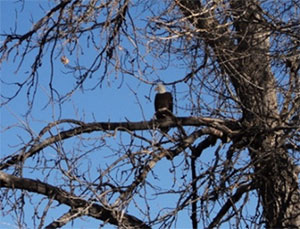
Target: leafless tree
(240, 93)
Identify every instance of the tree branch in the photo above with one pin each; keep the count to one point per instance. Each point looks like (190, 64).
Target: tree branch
(37, 145)
(64, 219)
(230, 202)
(63, 197)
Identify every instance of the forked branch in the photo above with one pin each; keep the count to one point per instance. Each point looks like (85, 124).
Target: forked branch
(63, 197)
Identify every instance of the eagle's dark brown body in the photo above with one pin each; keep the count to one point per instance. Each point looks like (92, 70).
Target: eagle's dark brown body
(163, 105)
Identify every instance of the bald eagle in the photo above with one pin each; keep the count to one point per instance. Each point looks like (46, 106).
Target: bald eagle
(163, 104)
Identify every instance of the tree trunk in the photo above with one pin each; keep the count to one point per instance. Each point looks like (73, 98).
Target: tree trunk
(244, 60)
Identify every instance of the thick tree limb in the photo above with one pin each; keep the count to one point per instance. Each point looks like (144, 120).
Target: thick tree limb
(248, 66)
(63, 197)
(64, 219)
(37, 145)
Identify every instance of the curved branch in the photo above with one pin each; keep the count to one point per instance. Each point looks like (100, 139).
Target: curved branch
(188, 141)
(36, 145)
(63, 197)
(64, 219)
(230, 202)
(36, 27)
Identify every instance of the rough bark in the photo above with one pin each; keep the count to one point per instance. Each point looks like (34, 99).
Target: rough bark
(77, 204)
(231, 42)
(244, 60)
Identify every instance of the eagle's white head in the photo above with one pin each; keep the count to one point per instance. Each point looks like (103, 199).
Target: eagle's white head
(160, 88)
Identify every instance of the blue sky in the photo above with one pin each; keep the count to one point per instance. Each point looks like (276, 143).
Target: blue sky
(107, 103)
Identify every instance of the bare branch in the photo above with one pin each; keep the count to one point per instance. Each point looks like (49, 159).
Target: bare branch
(63, 197)
(230, 203)
(38, 145)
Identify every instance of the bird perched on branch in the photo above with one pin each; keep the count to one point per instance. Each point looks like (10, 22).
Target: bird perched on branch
(163, 104)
